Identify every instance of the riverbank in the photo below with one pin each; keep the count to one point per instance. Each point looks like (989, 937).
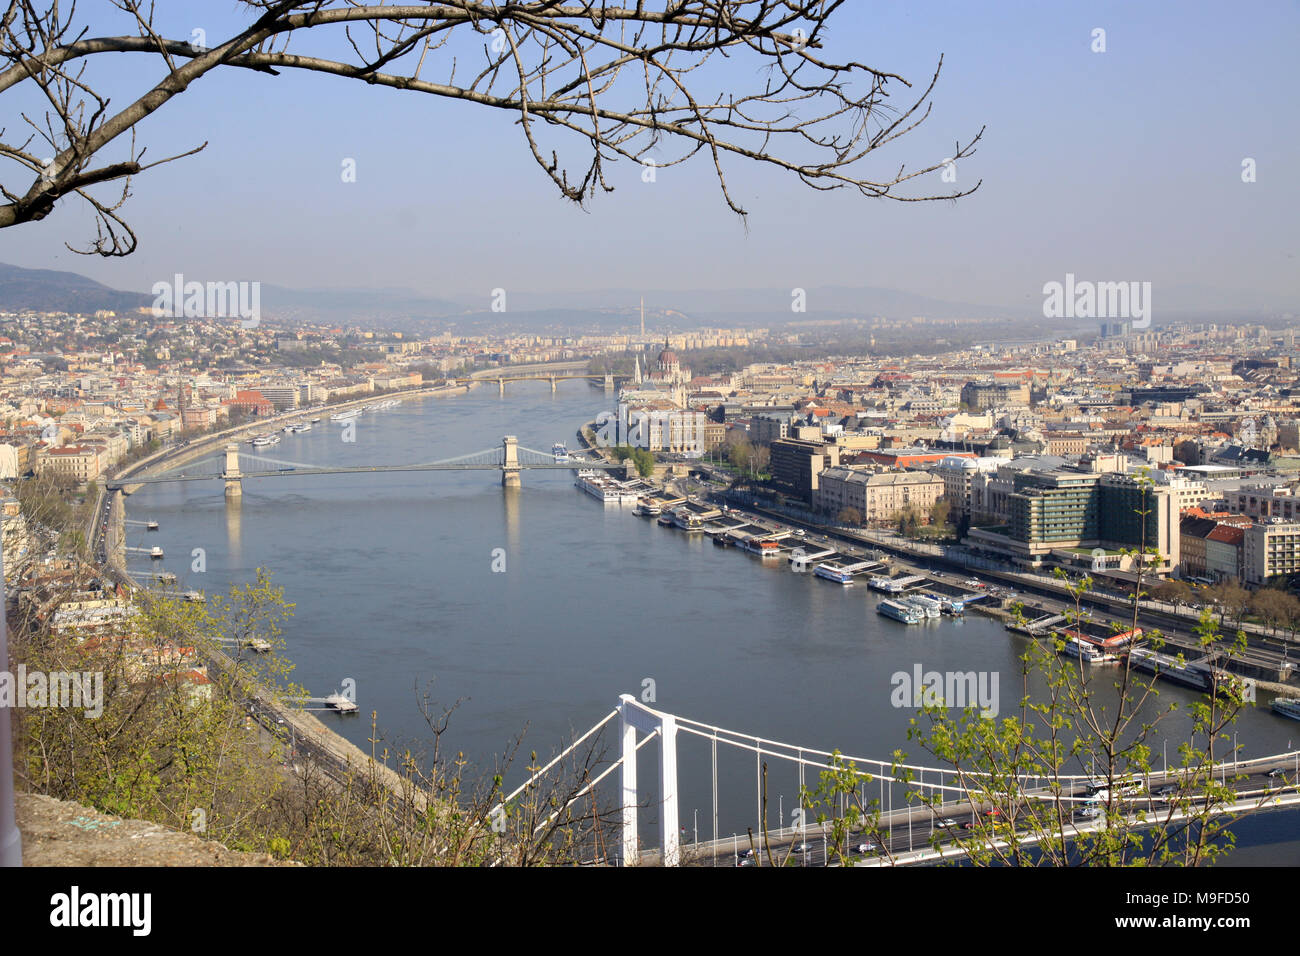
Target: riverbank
(343, 758)
(207, 444)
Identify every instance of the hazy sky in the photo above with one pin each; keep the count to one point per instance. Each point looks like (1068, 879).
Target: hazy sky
(1122, 165)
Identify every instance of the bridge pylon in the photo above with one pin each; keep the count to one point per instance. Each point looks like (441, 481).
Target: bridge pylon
(510, 463)
(501, 387)
(609, 382)
(633, 717)
(552, 384)
(234, 487)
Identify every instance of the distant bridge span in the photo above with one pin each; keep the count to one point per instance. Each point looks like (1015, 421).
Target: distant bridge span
(552, 372)
(510, 459)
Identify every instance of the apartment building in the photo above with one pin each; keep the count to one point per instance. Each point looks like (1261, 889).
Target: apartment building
(1270, 547)
(877, 496)
(958, 477)
(979, 396)
(79, 462)
(1265, 500)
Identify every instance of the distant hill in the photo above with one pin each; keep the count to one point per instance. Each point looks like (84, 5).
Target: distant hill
(47, 290)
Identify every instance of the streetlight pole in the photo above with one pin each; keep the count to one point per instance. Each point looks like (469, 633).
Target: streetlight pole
(11, 841)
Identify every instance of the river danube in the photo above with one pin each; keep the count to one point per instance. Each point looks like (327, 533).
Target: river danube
(393, 577)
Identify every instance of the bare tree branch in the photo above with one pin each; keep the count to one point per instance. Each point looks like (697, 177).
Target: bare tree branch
(550, 64)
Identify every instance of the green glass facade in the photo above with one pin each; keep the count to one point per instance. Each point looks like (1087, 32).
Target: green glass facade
(1049, 509)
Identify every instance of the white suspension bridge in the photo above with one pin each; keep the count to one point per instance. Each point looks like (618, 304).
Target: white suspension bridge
(906, 804)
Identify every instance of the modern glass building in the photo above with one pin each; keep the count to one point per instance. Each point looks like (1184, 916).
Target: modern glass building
(1071, 511)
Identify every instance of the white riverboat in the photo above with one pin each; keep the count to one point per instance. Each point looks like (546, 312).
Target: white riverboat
(603, 488)
(1287, 707)
(927, 606)
(831, 571)
(1087, 652)
(899, 611)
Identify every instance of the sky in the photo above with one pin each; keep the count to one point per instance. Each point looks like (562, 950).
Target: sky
(1122, 165)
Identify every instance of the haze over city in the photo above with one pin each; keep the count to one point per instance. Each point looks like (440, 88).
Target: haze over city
(1117, 165)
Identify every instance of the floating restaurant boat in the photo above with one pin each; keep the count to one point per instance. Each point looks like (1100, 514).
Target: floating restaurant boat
(686, 520)
(646, 509)
(603, 488)
(899, 611)
(1088, 652)
(763, 547)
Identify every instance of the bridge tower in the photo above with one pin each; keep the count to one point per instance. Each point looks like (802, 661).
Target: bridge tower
(552, 384)
(234, 487)
(634, 716)
(609, 382)
(510, 463)
(501, 387)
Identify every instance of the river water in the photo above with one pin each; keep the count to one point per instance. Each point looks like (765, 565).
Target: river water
(394, 584)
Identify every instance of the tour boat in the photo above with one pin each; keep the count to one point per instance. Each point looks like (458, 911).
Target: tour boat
(560, 452)
(899, 611)
(927, 605)
(1287, 707)
(833, 572)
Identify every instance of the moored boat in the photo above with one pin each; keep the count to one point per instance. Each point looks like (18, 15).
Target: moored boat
(899, 611)
(833, 572)
(1287, 707)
